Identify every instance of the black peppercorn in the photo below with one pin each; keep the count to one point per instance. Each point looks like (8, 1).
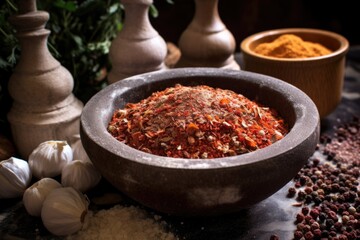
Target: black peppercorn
(301, 195)
(308, 199)
(274, 237)
(322, 216)
(332, 233)
(324, 234)
(329, 223)
(338, 226)
(305, 210)
(291, 192)
(302, 180)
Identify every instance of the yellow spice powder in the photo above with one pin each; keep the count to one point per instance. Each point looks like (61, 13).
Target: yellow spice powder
(291, 46)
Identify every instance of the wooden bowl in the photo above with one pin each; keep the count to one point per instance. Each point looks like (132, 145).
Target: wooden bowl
(195, 187)
(319, 77)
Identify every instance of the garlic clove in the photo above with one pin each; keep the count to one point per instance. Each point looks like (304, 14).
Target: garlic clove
(15, 177)
(49, 158)
(65, 211)
(81, 175)
(35, 195)
(79, 151)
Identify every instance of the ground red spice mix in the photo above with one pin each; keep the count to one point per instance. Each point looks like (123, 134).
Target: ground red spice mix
(197, 122)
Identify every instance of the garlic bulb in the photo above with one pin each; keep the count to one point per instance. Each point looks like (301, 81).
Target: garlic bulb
(49, 158)
(81, 175)
(64, 211)
(15, 177)
(79, 151)
(35, 195)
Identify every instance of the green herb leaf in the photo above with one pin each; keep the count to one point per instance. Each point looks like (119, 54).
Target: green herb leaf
(67, 5)
(153, 11)
(3, 63)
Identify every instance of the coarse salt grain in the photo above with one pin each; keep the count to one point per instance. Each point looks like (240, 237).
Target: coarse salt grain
(123, 223)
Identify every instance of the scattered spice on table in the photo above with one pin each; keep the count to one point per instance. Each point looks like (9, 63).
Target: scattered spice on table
(291, 46)
(197, 122)
(327, 188)
(274, 237)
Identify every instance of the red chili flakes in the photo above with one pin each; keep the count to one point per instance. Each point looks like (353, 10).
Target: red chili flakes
(191, 128)
(197, 122)
(224, 101)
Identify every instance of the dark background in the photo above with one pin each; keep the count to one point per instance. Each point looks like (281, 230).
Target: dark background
(246, 17)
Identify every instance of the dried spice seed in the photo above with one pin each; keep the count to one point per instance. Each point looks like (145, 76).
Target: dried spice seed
(298, 235)
(317, 233)
(291, 192)
(308, 218)
(300, 226)
(300, 196)
(314, 213)
(315, 225)
(274, 237)
(197, 122)
(305, 210)
(308, 190)
(309, 235)
(300, 217)
(306, 228)
(333, 176)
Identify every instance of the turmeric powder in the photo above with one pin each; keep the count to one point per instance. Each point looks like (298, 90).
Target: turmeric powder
(291, 46)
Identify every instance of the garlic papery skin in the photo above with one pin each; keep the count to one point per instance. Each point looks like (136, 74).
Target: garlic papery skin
(15, 177)
(65, 211)
(35, 195)
(79, 151)
(81, 175)
(49, 158)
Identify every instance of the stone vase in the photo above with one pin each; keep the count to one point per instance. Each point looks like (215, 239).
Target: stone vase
(44, 107)
(138, 47)
(206, 42)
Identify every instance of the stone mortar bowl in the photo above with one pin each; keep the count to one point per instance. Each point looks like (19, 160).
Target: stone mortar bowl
(321, 78)
(196, 187)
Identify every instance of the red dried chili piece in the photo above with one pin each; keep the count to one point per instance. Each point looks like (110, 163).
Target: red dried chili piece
(224, 101)
(191, 128)
(250, 142)
(196, 122)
